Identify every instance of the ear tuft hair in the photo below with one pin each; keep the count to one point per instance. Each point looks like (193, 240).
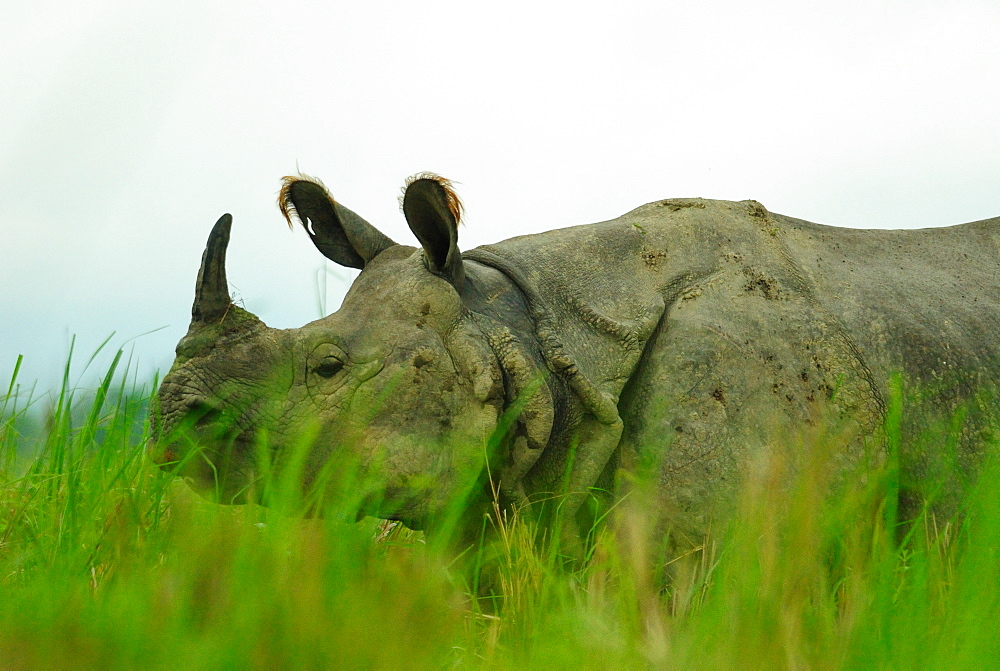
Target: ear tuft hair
(285, 203)
(455, 205)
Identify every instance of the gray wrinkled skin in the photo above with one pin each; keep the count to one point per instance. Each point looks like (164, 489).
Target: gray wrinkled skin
(686, 333)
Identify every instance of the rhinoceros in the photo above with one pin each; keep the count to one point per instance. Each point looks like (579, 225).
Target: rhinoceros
(686, 334)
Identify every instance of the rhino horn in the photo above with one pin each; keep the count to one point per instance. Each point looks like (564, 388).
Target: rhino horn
(211, 296)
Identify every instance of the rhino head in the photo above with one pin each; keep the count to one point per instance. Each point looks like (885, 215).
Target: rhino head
(400, 386)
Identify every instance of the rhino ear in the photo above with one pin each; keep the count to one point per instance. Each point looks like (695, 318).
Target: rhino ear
(338, 233)
(433, 210)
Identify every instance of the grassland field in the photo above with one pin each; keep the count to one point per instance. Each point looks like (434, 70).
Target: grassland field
(106, 562)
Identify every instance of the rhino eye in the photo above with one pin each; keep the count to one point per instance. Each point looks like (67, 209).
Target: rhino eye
(329, 368)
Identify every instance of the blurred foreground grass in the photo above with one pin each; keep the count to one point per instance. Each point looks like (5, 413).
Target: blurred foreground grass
(106, 563)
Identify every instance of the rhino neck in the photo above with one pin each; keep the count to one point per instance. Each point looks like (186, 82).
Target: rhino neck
(504, 312)
(533, 398)
(551, 337)
(590, 317)
(564, 408)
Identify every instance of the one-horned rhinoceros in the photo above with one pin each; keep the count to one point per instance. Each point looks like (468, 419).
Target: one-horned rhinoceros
(687, 333)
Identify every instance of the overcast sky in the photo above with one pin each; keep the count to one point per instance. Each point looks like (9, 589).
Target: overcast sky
(128, 128)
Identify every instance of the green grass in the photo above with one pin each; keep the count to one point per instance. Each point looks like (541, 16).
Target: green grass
(107, 563)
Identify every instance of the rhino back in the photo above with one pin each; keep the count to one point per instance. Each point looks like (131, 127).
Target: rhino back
(707, 327)
(925, 302)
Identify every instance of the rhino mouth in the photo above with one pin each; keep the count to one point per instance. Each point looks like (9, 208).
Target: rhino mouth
(209, 451)
(209, 477)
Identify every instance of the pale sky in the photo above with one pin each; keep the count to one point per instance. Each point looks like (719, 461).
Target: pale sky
(128, 128)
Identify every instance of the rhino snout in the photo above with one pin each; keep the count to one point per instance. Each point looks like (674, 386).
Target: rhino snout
(206, 446)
